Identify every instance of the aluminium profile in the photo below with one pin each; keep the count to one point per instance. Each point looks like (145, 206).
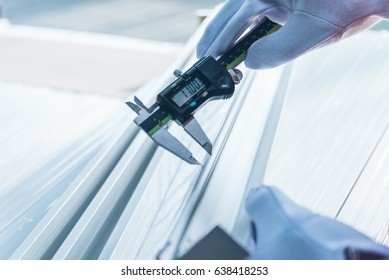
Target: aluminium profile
(173, 203)
(45, 239)
(27, 203)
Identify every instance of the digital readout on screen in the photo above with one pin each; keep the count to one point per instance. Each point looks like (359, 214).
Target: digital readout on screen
(188, 91)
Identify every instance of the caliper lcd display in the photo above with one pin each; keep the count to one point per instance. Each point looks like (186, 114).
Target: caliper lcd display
(188, 91)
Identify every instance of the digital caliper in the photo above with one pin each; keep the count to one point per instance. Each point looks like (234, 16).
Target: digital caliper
(208, 79)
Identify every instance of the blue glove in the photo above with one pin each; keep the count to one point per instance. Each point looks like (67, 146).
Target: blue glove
(308, 24)
(284, 230)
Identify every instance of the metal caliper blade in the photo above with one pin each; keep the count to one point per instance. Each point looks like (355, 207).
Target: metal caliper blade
(194, 129)
(134, 107)
(160, 135)
(163, 138)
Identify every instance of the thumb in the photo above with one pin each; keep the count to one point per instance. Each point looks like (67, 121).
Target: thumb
(217, 25)
(303, 32)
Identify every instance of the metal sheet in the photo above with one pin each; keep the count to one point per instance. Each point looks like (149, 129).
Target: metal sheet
(47, 137)
(336, 113)
(366, 208)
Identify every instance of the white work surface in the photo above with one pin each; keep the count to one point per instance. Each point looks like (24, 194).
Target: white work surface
(80, 61)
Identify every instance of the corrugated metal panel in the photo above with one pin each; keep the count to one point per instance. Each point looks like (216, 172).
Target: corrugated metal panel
(47, 137)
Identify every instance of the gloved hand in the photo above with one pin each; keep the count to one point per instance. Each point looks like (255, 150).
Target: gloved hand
(284, 230)
(308, 24)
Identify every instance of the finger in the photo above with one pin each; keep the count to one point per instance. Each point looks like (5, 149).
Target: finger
(216, 25)
(237, 24)
(303, 32)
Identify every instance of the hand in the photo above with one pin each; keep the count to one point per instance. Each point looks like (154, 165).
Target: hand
(284, 230)
(308, 24)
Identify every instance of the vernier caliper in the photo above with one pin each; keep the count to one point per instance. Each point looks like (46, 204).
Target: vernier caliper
(208, 79)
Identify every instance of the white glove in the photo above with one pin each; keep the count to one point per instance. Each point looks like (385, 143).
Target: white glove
(308, 24)
(284, 230)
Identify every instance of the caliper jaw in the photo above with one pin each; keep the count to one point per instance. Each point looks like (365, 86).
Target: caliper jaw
(164, 138)
(193, 128)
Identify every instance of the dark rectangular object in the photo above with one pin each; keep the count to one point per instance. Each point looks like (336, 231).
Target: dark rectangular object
(216, 245)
